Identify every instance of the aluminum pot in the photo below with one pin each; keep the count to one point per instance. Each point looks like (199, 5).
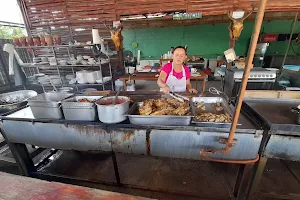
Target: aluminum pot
(109, 113)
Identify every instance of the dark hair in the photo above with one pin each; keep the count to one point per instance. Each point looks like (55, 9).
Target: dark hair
(180, 47)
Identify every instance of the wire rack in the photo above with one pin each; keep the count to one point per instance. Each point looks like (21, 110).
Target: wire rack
(28, 54)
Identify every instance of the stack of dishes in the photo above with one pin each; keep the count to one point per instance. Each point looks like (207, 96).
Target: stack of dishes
(44, 59)
(105, 79)
(52, 61)
(62, 62)
(44, 80)
(37, 60)
(55, 80)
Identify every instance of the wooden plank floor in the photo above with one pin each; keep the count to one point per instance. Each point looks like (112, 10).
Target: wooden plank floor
(15, 187)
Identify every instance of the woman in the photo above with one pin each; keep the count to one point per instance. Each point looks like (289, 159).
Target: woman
(174, 76)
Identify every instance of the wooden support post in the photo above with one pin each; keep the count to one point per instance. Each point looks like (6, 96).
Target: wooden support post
(249, 65)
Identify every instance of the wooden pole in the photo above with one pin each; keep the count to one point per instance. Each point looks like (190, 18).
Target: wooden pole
(290, 40)
(249, 65)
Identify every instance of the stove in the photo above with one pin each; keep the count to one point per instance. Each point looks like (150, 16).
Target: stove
(259, 79)
(256, 73)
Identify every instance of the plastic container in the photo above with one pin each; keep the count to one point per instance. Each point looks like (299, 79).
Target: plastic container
(291, 67)
(119, 85)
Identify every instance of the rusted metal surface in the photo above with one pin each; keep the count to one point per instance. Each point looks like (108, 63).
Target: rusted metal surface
(22, 188)
(128, 141)
(167, 143)
(148, 142)
(187, 144)
(275, 114)
(283, 147)
(59, 136)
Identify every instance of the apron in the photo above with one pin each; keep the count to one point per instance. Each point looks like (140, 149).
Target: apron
(175, 84)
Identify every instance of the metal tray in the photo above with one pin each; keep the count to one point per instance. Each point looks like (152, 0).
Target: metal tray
(167, 120)
(49, 99)
(13, 100)
(72, 102)
(209, 108)
(80, 111)
(47, 112)
(47, 105)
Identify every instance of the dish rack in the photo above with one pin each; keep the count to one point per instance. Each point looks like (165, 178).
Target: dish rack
(59, 70)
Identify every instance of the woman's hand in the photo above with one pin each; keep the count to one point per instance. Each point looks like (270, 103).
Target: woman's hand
(166, 90)
(192, 90)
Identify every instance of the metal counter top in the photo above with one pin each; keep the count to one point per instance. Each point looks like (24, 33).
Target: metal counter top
(274, 114)
(25, 114)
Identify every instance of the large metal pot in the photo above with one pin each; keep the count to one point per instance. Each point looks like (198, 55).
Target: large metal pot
(109, 113)
(13, 100)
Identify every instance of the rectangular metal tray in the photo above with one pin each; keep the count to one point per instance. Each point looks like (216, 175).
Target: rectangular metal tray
(49, 99)
(80, 111)
(167, 120)
(208, 105)
(47, 105)
(72, 102)
(47, 112)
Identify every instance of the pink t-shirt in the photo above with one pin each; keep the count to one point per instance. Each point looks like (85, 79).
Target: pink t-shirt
(168, 68)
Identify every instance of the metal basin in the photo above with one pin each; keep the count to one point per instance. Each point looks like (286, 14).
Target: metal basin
(13, 100)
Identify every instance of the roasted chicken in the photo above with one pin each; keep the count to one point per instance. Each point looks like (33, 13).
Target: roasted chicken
(164, 106)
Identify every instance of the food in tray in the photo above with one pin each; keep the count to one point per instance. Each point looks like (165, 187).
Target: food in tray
(200, 105)
(85, 100)
(218, 106)
(210, 117)
(109, 101)
(164, 106)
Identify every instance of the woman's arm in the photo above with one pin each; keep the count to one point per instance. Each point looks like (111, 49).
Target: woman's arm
(161, 82)
(189, 86)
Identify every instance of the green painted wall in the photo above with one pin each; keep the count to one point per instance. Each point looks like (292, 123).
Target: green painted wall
(207, 40)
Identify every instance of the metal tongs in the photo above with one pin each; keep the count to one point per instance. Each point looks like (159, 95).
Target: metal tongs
(179, 97)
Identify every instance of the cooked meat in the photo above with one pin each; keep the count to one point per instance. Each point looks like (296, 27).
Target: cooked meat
(165, 111)
(85, 100)
(164, 106)
(161, 103)
(210, 117)
(146, 108)
(181, 111)
(218, 106)
(200, 105)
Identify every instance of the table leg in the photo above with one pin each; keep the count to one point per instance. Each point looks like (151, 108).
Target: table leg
(242, 181)
(196, 84)
(117, 175)
(204, 85)
(124, 85)
(259, 169)
(22, 157)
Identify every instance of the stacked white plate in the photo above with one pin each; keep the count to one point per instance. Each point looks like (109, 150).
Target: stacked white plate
(44, 80)
(55, 79)
(52, 61)
(105, 79)
(36, 60)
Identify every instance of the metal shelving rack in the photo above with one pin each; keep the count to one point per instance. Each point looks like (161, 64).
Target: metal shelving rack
(27, 53)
